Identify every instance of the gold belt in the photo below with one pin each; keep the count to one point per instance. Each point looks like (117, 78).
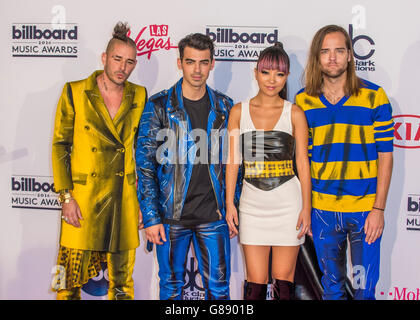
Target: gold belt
(268, 169)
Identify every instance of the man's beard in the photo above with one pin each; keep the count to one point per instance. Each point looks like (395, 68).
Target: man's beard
(114, 79)
(334, 75)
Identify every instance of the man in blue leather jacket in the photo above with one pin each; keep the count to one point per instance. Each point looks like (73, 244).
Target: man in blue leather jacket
(181, 147)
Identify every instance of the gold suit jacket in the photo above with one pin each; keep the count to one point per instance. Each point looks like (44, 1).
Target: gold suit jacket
(93, 155)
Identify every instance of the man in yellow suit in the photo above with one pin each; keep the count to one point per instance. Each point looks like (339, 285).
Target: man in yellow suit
(94, 172)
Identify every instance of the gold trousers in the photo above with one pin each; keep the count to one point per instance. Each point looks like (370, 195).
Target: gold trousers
(78, 266)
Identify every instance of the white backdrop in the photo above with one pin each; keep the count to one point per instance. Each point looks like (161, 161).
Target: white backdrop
(387, 42)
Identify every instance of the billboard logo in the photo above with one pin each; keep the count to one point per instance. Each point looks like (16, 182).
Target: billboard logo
(413, 206)
(33, 192)
(33, 33)
(244, 44)
(30, 184)
(158, 40)
(44, 40)
(407, 131)
(413, 213)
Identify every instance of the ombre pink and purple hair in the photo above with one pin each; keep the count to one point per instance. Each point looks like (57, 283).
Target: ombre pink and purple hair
(275, 58)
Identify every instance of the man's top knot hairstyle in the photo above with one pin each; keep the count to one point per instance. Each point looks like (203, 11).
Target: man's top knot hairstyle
(121, 30)
(197, 41)
(279, 45)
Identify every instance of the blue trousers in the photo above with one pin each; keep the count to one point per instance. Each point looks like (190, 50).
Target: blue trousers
(212, 249)
(330, 232)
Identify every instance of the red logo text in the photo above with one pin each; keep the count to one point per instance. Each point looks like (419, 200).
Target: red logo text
(407, 131)
(399, 293)
(158, 40)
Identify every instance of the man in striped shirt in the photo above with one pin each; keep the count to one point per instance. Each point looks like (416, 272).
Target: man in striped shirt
(351, 144)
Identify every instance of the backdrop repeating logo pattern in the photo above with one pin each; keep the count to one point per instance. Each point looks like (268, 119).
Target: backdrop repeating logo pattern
(193, 288)
(34, 82)
(403, 293)
(413, 212)
(363, 56)
(33, 192)
(44, 40)
(98, 286)
(407, 131)
(244, 44)
(155, 40)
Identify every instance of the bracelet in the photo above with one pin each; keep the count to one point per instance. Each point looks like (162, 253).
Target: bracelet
(65, 196)
(378, 209)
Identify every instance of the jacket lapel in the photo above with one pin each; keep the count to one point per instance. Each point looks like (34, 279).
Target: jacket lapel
(126, 105)
(216, 115)
(98, 104)
(175, 108)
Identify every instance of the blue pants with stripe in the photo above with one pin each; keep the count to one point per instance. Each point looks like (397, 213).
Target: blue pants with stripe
(330, 233)
(212, 249)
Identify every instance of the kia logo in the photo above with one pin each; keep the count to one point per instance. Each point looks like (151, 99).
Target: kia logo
(407, 131)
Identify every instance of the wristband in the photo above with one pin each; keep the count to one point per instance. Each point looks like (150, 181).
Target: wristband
(378, 209)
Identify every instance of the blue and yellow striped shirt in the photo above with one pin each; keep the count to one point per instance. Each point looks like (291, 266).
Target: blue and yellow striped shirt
(344, 141)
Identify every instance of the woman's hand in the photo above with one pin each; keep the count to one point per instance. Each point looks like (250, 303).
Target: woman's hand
(304, 223)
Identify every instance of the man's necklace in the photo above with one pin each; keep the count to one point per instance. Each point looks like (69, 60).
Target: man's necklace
(103, 80)
(333, 98)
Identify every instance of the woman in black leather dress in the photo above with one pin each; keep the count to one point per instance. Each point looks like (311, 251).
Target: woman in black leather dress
(266, 134)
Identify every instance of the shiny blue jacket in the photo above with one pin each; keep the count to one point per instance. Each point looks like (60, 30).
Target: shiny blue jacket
(166, 152)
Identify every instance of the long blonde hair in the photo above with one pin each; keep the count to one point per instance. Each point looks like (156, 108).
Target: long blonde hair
(313, 73)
